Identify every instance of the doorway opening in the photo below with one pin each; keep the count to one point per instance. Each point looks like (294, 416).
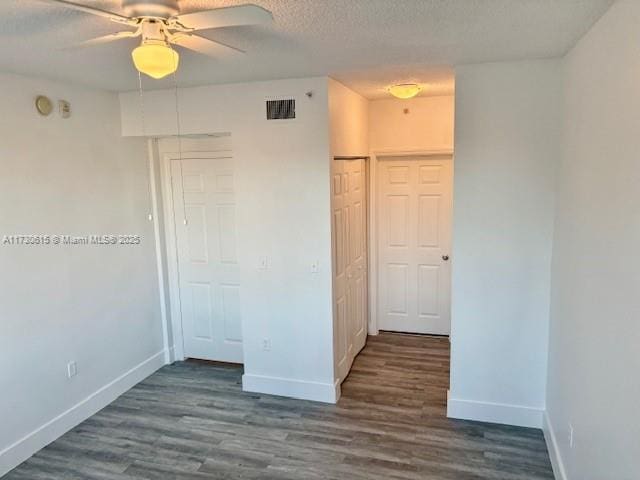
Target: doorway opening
(198, 178)
(391, 242)
(411, 198)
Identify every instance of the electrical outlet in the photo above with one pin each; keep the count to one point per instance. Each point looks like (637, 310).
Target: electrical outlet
(315, 267)
(571, 439)
(266, 344)
(263, 263)
(72, 369)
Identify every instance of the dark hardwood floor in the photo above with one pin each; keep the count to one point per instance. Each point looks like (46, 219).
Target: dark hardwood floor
(191, 421)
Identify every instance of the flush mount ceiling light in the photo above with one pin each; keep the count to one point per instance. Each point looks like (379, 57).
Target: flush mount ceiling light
(161, 25)
(405, 90)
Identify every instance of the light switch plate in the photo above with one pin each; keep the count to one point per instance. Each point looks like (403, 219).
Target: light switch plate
(64, 108)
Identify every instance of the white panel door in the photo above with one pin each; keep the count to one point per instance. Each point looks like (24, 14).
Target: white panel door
(414, 238)
(207, 261)
(349, 228)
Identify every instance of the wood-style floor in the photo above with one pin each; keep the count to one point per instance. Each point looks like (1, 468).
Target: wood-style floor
(191, 421)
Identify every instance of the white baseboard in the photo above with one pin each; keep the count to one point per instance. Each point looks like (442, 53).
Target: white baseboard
(554, 450)
(287, 387)
(494, 413)
(15, 454)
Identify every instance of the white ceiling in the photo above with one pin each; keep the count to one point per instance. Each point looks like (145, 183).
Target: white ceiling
(366, 44)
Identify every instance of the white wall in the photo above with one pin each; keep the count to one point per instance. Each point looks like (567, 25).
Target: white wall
(427, 126)
(283, 214)
(506, 149)
(96, 305)
(348, 119)
(594, 358)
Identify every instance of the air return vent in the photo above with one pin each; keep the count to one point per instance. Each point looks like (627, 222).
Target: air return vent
(281, 109)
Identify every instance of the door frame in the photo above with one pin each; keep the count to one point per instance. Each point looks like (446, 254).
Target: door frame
(373, 216)
(171, 243)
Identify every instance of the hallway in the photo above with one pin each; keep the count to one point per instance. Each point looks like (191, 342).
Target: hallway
(191, 421)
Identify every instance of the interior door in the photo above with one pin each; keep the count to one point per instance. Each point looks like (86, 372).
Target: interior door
(414, 237)
(204, 196)
(350, 261)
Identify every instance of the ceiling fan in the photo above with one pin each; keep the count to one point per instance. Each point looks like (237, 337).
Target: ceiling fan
(161, 25)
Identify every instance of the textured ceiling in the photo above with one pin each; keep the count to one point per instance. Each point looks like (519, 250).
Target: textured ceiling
(366, 44)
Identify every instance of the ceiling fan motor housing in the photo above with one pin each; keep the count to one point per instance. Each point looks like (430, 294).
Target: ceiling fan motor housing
(150, 8)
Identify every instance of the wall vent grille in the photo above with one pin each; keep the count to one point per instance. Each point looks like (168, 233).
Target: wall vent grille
(281, 109)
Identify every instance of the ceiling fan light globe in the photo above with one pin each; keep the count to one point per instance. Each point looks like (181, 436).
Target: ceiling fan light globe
(155, 60)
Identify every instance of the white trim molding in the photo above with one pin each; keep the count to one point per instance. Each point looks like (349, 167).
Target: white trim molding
(289, 387)
(400, 152)
(152, 147)
(506, 414)
(15, 454)
(337, 386)
(559, 471)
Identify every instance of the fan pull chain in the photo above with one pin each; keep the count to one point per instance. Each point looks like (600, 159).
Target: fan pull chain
(179, 127)
(144, 134)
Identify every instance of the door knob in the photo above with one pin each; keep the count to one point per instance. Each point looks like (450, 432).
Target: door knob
(445, 257)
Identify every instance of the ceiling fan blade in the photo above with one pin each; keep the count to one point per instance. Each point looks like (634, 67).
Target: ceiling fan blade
(114, 17)
(224, 17)
(108, 38)
(204, 45)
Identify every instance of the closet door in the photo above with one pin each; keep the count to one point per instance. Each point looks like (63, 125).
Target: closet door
(355, 171)
(205, 223)
(349, 232)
